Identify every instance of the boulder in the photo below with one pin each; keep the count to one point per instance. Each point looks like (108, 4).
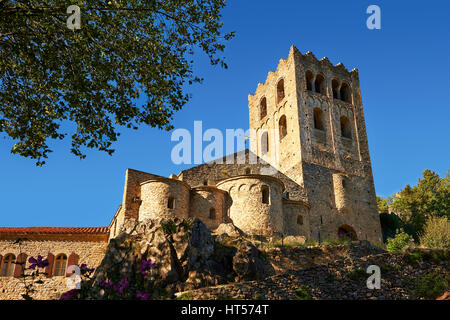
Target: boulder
(183, 256)
(249, 263)
(229, 229)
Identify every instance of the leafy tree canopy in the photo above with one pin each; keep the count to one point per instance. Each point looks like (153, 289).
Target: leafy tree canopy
(430, 197)
(127, 66)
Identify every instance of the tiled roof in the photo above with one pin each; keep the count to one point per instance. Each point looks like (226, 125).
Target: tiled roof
(55, 230)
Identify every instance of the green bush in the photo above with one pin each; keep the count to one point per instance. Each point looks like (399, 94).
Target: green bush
(400, 242)
(186, 296)
(436, 233)
(430, 286)
(357, 274)
(302, 294)
(416, 256)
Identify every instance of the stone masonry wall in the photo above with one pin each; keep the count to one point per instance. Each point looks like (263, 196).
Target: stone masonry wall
(11, 288)
(248, 212)
(155, 196)
(209, 205)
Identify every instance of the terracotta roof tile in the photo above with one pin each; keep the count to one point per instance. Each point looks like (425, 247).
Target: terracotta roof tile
(54, 230)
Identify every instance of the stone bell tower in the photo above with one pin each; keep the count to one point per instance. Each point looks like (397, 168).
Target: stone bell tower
(307, 121)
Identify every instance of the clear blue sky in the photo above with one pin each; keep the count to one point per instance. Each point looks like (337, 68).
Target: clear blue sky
(404, 70)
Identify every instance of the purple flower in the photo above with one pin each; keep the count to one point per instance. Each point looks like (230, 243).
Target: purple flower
(106, 284)
(39, 262)
(84, 268)
(121, 285)
(146, 265)
(69, 294)
(141, 295)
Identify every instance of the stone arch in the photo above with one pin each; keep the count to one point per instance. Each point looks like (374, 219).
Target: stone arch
(346, 232)
(263, 108)
(318, 119)
(319, 84)
(264, 142)
(170, 202)
(309, 80)
(335, 87)
(265, 194)
(212, 214)
(282, 126)
(280, 90)
(345, 93)
(346, 130)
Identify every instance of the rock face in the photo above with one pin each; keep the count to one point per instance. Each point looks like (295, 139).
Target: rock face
(185, 255)
(249, 264)
(228, 229)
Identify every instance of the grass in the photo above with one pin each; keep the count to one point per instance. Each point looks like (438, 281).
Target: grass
(332, 242)
(330, 278)
(186, 296)
(357, 274)
(302, 293)
(415, 256)
(430, 286)
(388, 268)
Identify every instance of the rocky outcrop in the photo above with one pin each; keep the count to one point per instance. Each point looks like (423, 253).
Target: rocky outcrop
(249, 263)
(183, 255)
(345, 278)
(228, 229)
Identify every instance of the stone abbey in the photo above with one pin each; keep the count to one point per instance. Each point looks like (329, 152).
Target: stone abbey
(311, 177)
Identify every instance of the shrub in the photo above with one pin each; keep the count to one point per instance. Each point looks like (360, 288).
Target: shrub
(400, 242)
(357, 273)
(430, 286)
(186, 296)
(302, 293)
(415, 256)
(436, 233)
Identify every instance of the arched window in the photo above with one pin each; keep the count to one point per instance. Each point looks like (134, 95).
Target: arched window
(60, 265)
(318, 119)
(265, 194)
(282, 127)
(170, 202)
(280, 90)
(205, 182)
(248, 171)
(263, 108)
(345, 128)
(212, 214)
(300, 220)
(265, 142)
(320, 84)
(309, 80)
(8, 265)
(346, 232)
(345, 93)
(335, 85)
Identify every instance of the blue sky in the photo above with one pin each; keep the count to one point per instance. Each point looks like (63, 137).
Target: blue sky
(403, 69)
